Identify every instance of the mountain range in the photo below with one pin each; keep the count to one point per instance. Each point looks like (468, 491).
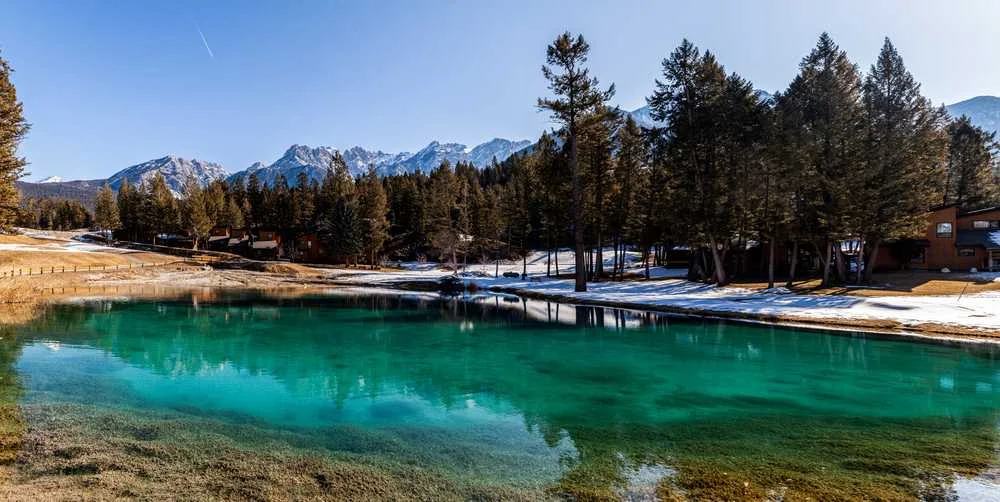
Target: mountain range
(313, 161)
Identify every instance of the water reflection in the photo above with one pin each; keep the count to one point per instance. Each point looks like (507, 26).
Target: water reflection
(587, 398)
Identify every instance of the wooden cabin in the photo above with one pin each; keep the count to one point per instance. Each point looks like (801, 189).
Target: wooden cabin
(956, 240)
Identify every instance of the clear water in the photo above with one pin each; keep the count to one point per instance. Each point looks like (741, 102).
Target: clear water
(536, 395)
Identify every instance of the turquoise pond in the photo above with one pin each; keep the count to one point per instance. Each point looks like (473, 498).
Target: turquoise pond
(546, 398)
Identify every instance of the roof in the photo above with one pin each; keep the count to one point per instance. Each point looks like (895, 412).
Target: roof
(980, 211)
(989, 239)
(265, 244)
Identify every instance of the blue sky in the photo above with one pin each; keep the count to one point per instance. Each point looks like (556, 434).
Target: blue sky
(107, 84)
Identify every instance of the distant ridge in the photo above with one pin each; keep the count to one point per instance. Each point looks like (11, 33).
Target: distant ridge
(984, 111)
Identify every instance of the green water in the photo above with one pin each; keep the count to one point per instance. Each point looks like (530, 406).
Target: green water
(547, 398)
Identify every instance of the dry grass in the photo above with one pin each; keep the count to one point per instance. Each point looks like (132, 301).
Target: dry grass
(23, 239)
(891, 284)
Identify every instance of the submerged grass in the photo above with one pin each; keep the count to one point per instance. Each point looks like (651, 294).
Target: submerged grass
(76, 451)
(806, 458)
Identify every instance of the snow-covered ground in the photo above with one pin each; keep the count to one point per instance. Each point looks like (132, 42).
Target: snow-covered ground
(484, 274)
(978, 311)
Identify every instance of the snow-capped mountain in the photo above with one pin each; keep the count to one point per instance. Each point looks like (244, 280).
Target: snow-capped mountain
(313, 161)
(51, 179)
(496, 148)
(984, 111)
(643, 117)
(175, 170)
(430, 157)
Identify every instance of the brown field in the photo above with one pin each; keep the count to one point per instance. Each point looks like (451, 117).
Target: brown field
(890, 284)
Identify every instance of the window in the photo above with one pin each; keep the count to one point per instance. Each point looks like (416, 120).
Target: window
(944, 230)
(980, 224)
(966, 251)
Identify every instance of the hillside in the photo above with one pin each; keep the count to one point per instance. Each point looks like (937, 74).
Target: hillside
(83, 191)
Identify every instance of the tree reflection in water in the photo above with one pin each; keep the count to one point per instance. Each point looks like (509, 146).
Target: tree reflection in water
(717, 410)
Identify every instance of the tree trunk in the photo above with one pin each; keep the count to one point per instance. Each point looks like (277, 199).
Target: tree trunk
(860, 260)
(614, 258)
(548, 263)
(824, 257)
(770, 265)
(838, 250)
(599, 259)
(720, 269)
(870, 266)
(795, 262)
(645, 260)
(574, 165)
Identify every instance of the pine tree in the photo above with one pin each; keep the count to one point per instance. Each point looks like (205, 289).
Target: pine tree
(629, 184)
(106, 215)
(13, 128)
(336, 212)
(128, 210)
(345, 235)
(970, 177)
(373, 208)
(257, 207)
(160, 207)
(194, 211)
(231, 215)
(304, 203)
(442, 213)
(823, 137)
(708, 144)
(905, 154)
(577, 96)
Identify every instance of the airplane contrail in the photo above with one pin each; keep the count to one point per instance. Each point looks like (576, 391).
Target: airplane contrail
(207, 48)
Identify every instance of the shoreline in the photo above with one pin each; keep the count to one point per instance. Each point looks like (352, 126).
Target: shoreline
(69, 287)
(932, 333)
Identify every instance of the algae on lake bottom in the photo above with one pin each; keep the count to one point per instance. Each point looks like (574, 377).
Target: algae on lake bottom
(392, 397)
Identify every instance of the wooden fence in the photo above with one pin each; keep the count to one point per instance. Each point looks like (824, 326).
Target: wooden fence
(68, 269)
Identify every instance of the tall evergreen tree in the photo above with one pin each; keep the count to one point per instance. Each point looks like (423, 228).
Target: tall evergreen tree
(160, 206)
(708, 141)
(443, 217)
(578, 96)
(823, 133)
(373, 208)
(194, 208)
(106, 215)
(970, 176)
(630, 182)
(231, 215)
(13, 128)
(255, 201)
(128, 209)
(336, 212)
(905, 155)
